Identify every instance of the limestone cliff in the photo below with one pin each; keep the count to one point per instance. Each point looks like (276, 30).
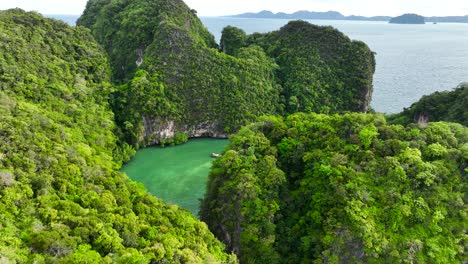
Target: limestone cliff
(156, 130)
(173, 78)
(320, 69)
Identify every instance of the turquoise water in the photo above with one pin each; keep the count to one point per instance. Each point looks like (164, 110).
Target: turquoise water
(412, 60)
(178, 175)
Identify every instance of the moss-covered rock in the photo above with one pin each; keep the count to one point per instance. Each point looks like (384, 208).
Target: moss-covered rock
(320, 69)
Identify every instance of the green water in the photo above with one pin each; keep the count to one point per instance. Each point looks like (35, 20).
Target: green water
(177, 174)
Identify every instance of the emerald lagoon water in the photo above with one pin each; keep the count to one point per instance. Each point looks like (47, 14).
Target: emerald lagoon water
(178, 175)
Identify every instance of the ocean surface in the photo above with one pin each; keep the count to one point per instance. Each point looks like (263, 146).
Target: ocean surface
(412, 60)
(179, 174)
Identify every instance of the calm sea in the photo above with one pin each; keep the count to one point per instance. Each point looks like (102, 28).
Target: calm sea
(412, 60)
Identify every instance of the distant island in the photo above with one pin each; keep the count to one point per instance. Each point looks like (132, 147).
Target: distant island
(329, 15)
(334, 15)
(408, 19)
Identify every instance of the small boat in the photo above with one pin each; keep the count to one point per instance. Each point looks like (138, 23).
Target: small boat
(215, 155)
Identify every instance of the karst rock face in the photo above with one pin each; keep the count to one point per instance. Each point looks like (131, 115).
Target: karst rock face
(174, 79)
(448, 106)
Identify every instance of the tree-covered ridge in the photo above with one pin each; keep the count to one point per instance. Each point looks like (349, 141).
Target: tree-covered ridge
(320, 69)
(62, 198)
(341, 189)
(126, 29)
(449, 106)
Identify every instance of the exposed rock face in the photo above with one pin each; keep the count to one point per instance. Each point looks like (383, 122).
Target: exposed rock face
(205, 129)
(156, 130)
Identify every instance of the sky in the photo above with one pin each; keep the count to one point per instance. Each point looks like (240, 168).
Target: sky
(232, 7)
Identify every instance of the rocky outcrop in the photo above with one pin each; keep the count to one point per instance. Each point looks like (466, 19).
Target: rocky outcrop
(320, 69)
(156, 130)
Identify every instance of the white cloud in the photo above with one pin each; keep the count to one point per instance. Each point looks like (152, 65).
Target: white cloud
(229, 7)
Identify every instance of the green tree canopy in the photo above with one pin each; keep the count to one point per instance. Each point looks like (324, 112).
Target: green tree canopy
(341, 189)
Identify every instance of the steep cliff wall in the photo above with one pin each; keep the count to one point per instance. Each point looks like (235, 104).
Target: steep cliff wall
(320, 69)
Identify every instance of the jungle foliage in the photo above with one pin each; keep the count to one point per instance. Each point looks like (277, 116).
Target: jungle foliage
(349, 188)
(62, 198)
(320, 69)
(450, 106)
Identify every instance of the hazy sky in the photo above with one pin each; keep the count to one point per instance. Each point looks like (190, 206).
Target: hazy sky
(229, 7)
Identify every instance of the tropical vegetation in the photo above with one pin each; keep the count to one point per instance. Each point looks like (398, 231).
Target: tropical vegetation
(62, 197)
(349, 188)
(328, 185)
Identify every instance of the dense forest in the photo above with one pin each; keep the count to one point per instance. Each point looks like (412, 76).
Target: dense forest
(330, 185)
(319, 68)
(175, 81)
(63, 199)
(346, 188)
(450, 106)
